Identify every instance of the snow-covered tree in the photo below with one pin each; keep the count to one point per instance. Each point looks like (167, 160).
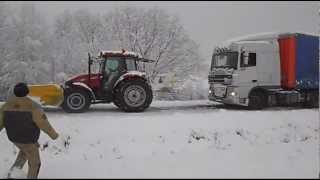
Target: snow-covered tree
(33, 52)
(25, 49)
(65, 45)
(155, 35)
(75, 35)
(4, 32)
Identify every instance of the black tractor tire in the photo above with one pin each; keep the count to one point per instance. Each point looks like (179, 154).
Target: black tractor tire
(133, 96)
(76, 101)
(257, 100)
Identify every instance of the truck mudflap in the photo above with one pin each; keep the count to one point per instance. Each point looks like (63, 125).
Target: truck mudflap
(47, 94)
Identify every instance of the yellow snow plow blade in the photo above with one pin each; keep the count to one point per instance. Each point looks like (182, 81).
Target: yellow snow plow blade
(49, 94)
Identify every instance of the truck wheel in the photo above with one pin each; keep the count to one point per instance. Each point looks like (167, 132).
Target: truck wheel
(133, 96)
(76, 101)
(257, 100)
(313, 101)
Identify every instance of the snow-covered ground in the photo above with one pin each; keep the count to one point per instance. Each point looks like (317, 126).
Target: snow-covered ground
(190, 139)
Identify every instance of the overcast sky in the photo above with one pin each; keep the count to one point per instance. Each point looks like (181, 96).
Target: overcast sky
(209, 23)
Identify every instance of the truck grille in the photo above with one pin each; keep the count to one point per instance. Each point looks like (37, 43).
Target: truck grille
(218, 78)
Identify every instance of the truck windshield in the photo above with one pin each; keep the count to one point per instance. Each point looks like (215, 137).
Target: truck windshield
(229, 59)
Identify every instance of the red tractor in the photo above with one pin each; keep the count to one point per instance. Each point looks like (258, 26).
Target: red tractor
(118, 80)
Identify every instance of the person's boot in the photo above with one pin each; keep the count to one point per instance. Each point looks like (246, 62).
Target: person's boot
(16, 173)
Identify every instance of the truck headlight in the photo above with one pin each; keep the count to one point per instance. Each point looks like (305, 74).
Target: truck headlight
(210, 91)
(232, 91)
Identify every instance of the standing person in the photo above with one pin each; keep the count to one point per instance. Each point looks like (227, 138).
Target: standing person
(23, 119)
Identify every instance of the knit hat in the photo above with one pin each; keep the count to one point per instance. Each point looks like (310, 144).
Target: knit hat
(21, 90)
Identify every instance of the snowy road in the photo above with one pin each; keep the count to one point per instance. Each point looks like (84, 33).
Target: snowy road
(191, 139)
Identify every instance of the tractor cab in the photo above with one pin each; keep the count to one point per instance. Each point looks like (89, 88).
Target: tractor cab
(112, 65)
(118, 61)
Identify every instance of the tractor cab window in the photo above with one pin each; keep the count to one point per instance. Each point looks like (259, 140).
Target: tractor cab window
(131, 64)
(96, 66)
(114, 68)
(114, 65)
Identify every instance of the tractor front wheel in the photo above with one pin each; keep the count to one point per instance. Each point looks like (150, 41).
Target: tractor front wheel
(76, 101)
(133, 96)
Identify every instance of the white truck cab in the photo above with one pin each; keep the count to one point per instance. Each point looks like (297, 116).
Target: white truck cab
(241, 67)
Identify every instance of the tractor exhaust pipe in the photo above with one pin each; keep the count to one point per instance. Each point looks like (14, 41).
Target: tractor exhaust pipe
(89, 68)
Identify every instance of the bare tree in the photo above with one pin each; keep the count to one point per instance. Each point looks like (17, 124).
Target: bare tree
(89, 28)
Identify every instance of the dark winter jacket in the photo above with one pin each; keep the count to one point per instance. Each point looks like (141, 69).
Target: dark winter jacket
(23, 119)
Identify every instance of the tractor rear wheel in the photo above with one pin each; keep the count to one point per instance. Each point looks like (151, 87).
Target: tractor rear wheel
(76, 101)
(133, 96)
